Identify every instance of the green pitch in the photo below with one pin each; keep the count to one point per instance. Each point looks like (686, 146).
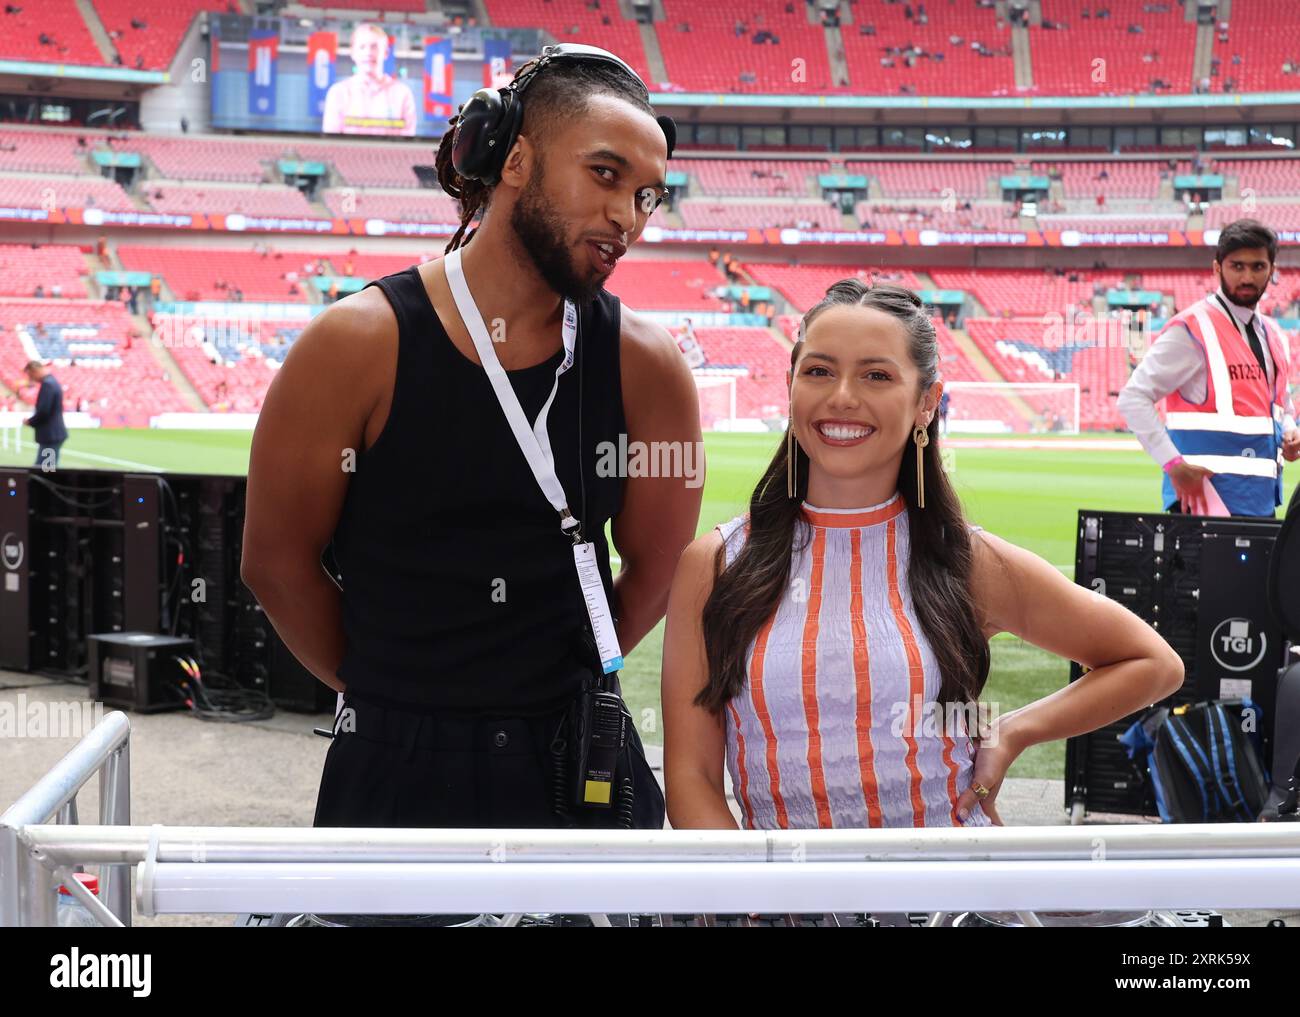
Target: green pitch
(1030, 497)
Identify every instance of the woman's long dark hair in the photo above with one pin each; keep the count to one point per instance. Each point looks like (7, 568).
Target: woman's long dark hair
(557, 94)
(747, 592)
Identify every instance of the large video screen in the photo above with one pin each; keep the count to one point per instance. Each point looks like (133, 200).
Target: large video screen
(351, 76)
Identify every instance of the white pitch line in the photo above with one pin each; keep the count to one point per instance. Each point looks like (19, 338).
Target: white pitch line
(109, 459)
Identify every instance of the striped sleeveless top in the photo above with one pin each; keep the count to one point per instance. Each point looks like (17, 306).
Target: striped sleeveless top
(832, 728)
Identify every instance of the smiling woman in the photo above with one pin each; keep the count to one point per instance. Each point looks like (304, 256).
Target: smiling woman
(811, 643)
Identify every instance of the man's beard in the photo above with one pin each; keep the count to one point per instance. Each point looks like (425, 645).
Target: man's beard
(541, 235)
(1250, 301)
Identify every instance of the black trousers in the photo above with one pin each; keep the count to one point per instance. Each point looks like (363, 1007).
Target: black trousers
(396, 768)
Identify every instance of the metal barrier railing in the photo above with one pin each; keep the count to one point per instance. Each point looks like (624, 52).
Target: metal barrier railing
(29, 879)
(216, 870)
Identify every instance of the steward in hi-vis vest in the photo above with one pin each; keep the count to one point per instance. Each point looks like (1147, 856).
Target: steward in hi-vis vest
(1222, 368)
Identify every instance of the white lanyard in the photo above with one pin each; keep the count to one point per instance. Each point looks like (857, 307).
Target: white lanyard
(535, 444)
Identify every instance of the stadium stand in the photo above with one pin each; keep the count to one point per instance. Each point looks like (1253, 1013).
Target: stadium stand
(723, 50)
(761, 394)
(268, 199)
(23, 267)
(1127, 52)
(69, 192)
(574, 21)
(805, 285)
(959, 48)
(1267, 178)
(985, 216)
(410, 6)
(229, 361)
(400, 206)
(1019, 292)
(372, 165)
(759, 178)
(1113, 178)
(98, 359)
(371, 265)
(1260, 51)
(667, 285)
(709, 213)
(1101, 223)
(35, 151)
(213, 273)
(1278, 215)
(929, 178)
(938, 57)
(48, 31)
(216, 159)
(147, 33)
(1017, 349)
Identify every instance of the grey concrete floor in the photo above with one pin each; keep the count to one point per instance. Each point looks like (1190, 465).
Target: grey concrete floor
(186, 772)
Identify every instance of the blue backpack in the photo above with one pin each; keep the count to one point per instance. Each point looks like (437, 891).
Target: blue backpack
(1204, 766)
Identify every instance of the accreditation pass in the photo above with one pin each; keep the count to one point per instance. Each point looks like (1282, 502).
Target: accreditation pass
(593, 592)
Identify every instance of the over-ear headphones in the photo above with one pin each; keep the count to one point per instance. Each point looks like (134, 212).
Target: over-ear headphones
(490, 119)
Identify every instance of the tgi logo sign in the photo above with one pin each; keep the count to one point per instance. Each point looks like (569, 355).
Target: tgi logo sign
(1235, 647)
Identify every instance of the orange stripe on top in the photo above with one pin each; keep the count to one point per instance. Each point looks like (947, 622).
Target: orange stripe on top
(811, 626)
(740, 765)
(915, 673)
(840, 520)
(862, 684)
(765, 718)
(948, 746)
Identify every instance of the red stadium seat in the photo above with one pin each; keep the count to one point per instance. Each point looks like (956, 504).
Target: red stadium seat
(23, 267)
(36, 151)
(960, 71)
(199, 273)
(805, 285)
(59, 193)
(268, 199)
(154, 46)
(684, 285)
(931, 178)
(574, 21)
(759, 178)
(1101, 56)
(1263, 37)
(708, 213)
(396, 206)
(713, 57)
(59, 21)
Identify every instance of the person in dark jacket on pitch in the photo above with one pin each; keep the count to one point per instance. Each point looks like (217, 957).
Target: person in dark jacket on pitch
(48, 418)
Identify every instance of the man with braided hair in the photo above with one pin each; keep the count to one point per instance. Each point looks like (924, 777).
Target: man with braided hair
(460, 632)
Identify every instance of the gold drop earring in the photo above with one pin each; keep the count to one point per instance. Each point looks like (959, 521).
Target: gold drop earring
(791, 457)
(922, 438)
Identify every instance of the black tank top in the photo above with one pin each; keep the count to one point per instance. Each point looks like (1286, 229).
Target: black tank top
(459, 590)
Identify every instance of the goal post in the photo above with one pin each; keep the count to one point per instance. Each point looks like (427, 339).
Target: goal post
(716, 389)
(1011, 407)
